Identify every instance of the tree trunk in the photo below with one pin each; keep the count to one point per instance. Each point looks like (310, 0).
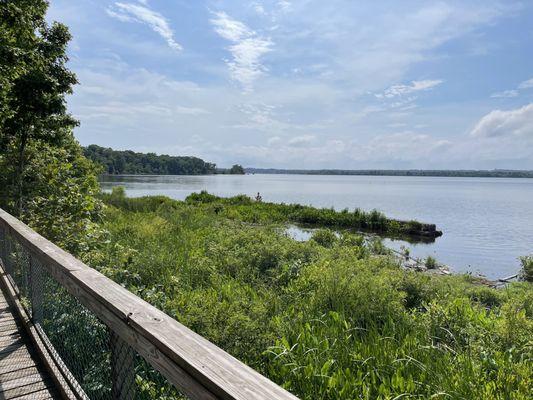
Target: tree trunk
(19, 175)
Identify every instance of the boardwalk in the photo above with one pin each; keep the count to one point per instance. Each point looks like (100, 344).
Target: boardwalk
(21, 375)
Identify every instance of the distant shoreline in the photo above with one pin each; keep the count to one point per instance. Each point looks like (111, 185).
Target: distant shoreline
(497, 173)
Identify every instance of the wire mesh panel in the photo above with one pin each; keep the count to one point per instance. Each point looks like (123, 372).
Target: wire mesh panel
(96, 363)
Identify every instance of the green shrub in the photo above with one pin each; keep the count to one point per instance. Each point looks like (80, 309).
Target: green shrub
(202, 197)
(431, 263)
(526, 273)
(324, 237)
(338, 320)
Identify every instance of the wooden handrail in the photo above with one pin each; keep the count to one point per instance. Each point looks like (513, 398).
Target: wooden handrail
(195, 366)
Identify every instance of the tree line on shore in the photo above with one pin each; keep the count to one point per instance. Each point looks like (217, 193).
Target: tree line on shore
(127, 162)
(464, 173)
(130, 162)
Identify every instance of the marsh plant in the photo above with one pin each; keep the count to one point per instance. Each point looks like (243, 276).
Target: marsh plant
(431, 263)
(526, 272)
(330, 318)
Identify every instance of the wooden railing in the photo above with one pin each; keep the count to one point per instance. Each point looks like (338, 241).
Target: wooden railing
(191, 364)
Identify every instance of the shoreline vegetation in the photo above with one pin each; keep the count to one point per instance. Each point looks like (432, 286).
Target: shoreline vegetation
(127, 162)
(374, 221)
(337, 316)
(496, 173)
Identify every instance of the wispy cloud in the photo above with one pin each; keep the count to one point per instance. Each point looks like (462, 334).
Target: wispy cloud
(514, 92)
(129, 12)
(413, 87)
(284, 5)
(301, 141)
(526, 84)
(191, 110)
(247, 50)
(505, 94)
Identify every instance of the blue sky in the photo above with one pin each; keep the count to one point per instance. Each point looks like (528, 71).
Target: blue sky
(309, 83)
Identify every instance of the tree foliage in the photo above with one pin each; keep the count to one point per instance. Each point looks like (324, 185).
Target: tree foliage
(129, 162)
(236, 170)
(45, 179)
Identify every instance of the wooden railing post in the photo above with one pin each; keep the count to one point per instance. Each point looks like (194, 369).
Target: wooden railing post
(122, 369)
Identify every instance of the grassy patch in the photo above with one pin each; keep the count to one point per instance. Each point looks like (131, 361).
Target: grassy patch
(330, 318)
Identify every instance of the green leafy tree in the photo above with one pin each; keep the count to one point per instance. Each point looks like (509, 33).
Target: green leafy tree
(34, 89)
(237, 170)
(129, 162)
(45, 179)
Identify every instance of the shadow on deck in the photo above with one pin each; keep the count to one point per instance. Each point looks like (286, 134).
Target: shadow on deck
(21, 374)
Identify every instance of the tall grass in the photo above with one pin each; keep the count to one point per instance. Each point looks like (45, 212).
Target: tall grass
(244, 208)
(331, 318)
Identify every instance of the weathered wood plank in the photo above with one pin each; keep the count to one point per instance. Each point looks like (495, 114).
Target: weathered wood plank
(10, 365)
(197, 367)
(11, 348)
(7, 322)
(37, 345)
(19, 352)
(8, 333)
(29, 389)
(21, 381)
(40, 395)
(19, 374)
(9, 340)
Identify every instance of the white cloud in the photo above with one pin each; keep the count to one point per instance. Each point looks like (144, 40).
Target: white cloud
(341, 53)
(128, 12)
(413, 87)
(284, 5)
(259, 8)
(526, 84)
(247, 50)
(518, 122)
(514, 92)
(401, 146)
(191, 110)
(505, 94)
(229, 28)
(274, 141)
(301, 141)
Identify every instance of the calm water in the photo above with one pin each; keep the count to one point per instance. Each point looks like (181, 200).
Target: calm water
(487, 223)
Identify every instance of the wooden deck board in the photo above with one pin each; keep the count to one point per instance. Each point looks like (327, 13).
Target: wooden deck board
(21, 375)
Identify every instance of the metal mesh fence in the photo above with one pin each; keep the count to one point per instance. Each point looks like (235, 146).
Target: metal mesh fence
(95, 362)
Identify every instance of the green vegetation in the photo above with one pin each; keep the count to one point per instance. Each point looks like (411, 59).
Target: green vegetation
(431, 263)
(236, 170)
(465, 173)
(129, 162)
(252, 211)
(331, 318)
(526, 273)
(44, 179)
